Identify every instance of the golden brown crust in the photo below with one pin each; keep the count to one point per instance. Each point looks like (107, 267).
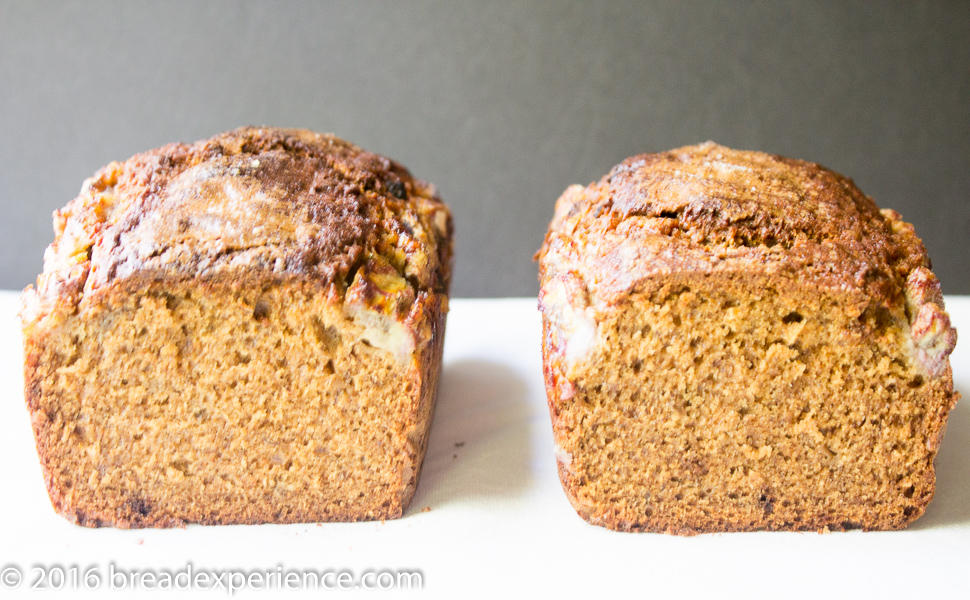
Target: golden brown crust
(277, 200)
(711, 209)
(715, 211)
(808, 258)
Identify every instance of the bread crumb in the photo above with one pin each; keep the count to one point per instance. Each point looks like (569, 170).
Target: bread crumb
(426, 509)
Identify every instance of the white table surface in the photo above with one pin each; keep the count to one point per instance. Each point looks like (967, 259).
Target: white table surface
(498, 523)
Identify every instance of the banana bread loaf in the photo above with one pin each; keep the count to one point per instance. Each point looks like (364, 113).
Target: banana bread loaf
(736, 341)
(243, 330)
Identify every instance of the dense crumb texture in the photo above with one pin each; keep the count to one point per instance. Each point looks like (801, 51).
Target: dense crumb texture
(245, 330)
(736, 341)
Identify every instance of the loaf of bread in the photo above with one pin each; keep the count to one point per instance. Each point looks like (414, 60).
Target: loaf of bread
(735, 341)
(243, 330)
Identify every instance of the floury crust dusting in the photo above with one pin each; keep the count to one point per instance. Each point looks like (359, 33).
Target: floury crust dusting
(736, 341)
(243, 330)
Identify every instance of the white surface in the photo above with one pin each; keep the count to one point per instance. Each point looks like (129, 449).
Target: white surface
(498, 522)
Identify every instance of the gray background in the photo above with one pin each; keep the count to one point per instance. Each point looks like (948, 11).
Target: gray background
(502, 105)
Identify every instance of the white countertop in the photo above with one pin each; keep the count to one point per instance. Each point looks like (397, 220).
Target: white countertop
(498, 522)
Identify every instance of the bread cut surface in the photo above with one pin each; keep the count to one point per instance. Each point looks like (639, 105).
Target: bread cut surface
(736, 341)
(243, 330)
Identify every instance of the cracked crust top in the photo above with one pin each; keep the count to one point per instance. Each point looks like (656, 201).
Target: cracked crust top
(712, 210)
(282, 201)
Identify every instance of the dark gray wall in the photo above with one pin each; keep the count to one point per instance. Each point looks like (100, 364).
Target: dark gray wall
(501, 104)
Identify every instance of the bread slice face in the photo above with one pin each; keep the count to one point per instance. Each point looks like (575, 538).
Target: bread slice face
(245, 330)
(735, 341)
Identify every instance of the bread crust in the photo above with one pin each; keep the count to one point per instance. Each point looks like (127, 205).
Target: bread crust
(279, 200)
(710, 209)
